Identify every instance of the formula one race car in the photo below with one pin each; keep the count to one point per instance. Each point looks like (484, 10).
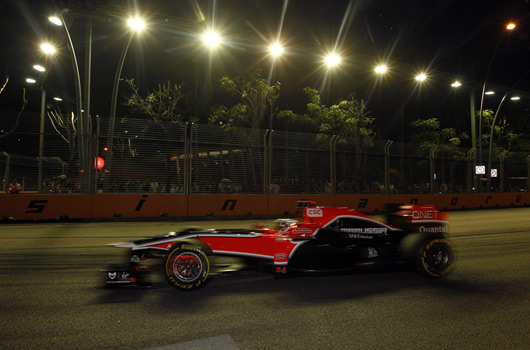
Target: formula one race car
(323, 240)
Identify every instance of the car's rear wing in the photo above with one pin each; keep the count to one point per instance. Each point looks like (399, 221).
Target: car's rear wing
(417, 218)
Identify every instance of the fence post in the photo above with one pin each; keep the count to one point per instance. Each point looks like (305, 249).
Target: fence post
(501, 172)
(431, 161)
(470, 173)
(266, 168)
(187, 157)
(528, 173)
(6, 171)
(387, 166)
(333, 164)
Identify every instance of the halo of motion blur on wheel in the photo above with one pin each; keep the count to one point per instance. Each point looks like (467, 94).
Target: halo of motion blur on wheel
(437, 257)
(187, 268)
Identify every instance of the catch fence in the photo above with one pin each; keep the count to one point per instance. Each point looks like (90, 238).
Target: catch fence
(149, 157)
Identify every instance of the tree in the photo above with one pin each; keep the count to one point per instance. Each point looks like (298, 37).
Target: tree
(257, 97)
(158, 105)
(504, 138)
(65, 126)
(347, 119)
(19, 114)
(428, 134)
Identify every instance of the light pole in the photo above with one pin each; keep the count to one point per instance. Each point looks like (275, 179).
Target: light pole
(488, 169)
(48, 49)
(136, 25)
(83, 159)
(510, 26)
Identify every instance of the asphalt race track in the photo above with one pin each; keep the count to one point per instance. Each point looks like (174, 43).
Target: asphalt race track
(51, 296)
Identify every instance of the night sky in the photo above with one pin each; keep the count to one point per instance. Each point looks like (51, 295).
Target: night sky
(444, 38)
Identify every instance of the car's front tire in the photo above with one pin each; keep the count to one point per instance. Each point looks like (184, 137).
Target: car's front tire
(187, 267)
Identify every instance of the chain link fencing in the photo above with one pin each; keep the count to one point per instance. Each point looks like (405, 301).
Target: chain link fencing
(165, 157)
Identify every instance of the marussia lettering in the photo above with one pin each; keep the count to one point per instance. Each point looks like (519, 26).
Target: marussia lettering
(372, 230)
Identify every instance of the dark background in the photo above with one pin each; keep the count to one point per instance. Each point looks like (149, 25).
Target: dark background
(445, 38)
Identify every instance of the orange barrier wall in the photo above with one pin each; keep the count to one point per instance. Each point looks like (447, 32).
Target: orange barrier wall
(139, 205)
(227, 205)
(45, 206)
(285, 204)
(78, 206)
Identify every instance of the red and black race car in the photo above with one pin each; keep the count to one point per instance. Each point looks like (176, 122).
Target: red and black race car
(323, 240)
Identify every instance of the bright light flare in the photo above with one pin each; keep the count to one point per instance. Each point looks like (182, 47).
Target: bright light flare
(515, 98)
(332, 60)
(58, 99)
(510, 26)
(47, 48)
(136, 24)
(381, 69)
(55, 20)
(31, 80)
(211, 39)
(276, 50)
(456, 84)
(421, 77)
(39, 68)
(489, 93)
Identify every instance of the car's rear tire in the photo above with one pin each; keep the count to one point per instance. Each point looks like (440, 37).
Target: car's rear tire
(436, 258)
(187, 267)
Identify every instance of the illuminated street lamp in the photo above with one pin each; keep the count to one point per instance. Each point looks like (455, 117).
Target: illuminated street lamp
(211, 39)
(332, 60)
(136, 25)
(381, 69)
(276, 50)
(456, 84)
(421, 77)
(47, 48)
(39, 68)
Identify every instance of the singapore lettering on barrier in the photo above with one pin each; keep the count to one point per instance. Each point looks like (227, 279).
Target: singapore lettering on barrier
(36, 206)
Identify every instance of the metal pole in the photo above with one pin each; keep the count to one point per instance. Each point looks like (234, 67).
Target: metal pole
(488, 170)
(41, 138)
(387, 166)
(81, 131)
(87, 122)
(431, 156)
(473, 134)
(112, 117)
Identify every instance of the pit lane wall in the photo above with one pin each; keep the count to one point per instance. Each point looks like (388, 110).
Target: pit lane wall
(108, 206)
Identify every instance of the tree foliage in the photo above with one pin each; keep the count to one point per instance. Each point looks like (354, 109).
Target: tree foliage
(504, 137)
(158, 105)
(428, 133)
(347, 119)
(257, 99)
